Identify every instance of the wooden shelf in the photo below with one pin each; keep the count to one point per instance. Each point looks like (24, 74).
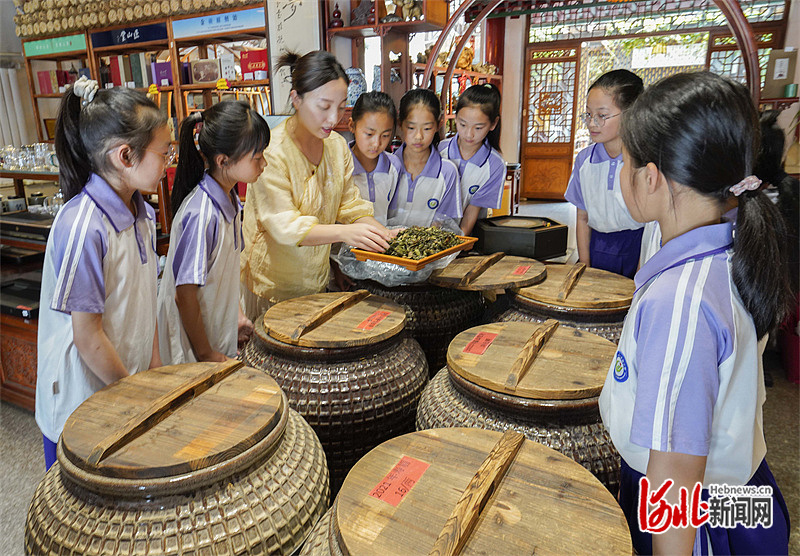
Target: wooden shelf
(778, 103)
(73, 55)
(231, 85)
(439, 70)
(237, 36)
(132, 48)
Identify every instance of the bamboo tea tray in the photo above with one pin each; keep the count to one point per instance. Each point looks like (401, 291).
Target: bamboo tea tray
(411, 264)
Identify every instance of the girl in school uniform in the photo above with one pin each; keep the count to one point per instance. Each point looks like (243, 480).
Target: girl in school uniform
(428, 189)
(97, 320)
(608, 238)
(198, 303)
(683, 398)
(307, 199)
(375, 171)
(475, 149)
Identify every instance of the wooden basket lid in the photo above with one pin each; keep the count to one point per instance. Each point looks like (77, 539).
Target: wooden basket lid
(489, 272)
(531, 360)
(172, 420)
(581, 287)
(335, 320)
(438, 491)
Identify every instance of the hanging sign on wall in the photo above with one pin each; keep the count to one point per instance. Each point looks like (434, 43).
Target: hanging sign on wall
(56, 45)
(293, 26)
(242, 20)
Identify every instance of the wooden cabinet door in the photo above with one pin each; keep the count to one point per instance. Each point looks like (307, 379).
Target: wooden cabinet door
(548, 122)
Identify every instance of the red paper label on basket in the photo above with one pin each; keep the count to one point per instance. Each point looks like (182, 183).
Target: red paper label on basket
(399, 481)
(373, 320)
(521, 269)
(480, 343)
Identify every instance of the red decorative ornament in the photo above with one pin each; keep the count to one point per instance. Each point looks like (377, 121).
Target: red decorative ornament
(371, 16)
(336, 18)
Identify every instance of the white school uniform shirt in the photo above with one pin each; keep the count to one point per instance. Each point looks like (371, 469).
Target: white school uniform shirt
(482, 176)
(204, 247)
(687, 376)
(99, 259)
(432, 196)
(594, 187)
(378, 186)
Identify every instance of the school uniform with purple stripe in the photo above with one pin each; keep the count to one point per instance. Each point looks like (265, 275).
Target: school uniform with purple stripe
(594, 187)
(205, 243)
(100, 258)
(432, 196)
(378, 186)
(687, 378)
(482, 176)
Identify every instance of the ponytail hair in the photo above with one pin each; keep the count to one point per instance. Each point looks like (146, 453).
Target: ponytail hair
(426, 98)
(701, 130)
(486, 97)
(85, 134)
(313, 70)
(230, 127)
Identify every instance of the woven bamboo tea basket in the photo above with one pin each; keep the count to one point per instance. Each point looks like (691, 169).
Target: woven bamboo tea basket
(469, 491)
(197, 458)
(451, 301)
(347, 366)
(543, 380)
(586, 298)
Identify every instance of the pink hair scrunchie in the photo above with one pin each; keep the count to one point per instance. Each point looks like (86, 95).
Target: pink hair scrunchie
(750, 183)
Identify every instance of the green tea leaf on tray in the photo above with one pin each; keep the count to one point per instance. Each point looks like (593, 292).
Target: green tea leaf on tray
(417, 242)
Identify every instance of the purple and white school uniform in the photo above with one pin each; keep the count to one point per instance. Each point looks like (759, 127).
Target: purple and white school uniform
(432, 196)
(100, 258)
(378, 186)
(482, 176)
(594, 187)
(687, 378)
(204, 247)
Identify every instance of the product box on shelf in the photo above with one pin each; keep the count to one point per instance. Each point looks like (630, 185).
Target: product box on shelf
(45, 87)
(254, 64)
(227, 67)
(205, 71)
(162, 73)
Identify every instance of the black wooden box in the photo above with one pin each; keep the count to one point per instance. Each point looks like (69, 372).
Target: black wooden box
(524, 236)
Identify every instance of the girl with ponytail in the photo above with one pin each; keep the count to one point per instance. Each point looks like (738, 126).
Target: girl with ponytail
(97, 319)
(683, 398)
(198, 303)
(475, 149)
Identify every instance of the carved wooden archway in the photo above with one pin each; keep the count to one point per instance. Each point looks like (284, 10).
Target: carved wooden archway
(730, 8)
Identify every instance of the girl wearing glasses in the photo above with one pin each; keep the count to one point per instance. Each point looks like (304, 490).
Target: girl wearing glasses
(198, 303)
(608, 238)
(97, 320)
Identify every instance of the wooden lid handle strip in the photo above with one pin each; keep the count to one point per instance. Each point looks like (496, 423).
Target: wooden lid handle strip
(571, 281)
(474, 499)
(482, 266)
(326, 313)
(161, 408)
(529, 352)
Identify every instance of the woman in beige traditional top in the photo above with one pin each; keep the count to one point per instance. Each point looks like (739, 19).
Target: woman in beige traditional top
(306, 198)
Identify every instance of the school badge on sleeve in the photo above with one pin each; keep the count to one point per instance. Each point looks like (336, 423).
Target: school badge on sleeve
(620, 367)
(433, 203)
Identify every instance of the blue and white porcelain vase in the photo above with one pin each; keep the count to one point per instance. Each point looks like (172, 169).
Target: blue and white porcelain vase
(376, 79)
(358, 85)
